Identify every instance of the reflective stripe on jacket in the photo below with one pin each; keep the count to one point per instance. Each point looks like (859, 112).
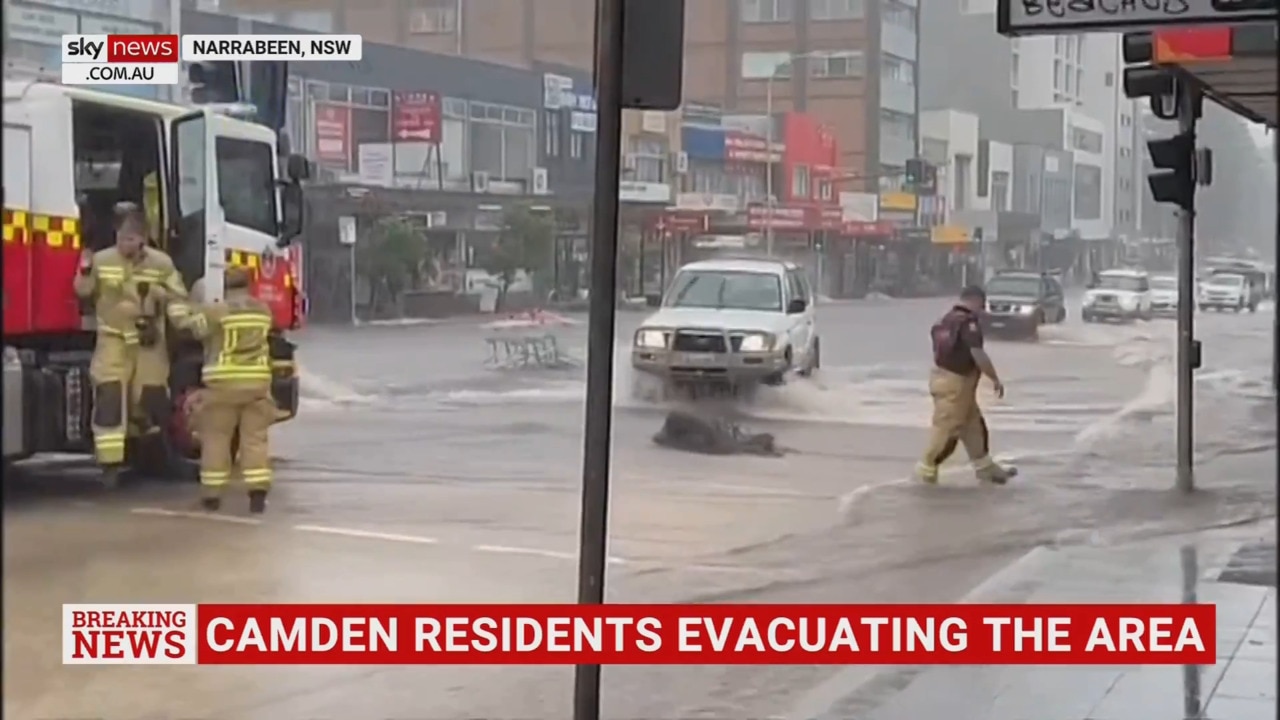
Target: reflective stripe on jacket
(236, 336)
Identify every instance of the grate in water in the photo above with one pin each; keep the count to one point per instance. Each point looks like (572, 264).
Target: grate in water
(1252, 564)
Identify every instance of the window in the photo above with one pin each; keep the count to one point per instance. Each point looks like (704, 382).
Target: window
(797, 286)
(1088, 192)
(800, 181)
(895, 13)
(896, 69)
(726, 290)
(577, 145)
(836, 9)
(1057, 74)
(247, 183)
(433, 17)
(1000, 181)
(766, 11)
(763, 65)
(1014, 68)
(1085, 140)
(1014, 98)
(898, 125)
(188, 144)
(963, 164)
(502, 140)
(650, 158)
(824, 189)
(838, 64)
(551, 127)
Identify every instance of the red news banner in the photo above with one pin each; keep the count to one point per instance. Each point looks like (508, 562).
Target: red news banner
(638, 634)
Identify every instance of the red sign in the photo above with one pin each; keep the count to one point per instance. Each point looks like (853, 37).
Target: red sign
(744, 147)
(416, 117)
(333, 134)
(674, 221)
(1196, 44)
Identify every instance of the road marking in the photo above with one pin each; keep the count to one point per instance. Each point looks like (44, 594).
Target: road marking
(193, 515)
(512, 550)
(368, 534)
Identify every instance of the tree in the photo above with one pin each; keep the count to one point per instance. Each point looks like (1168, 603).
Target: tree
(524, 243)
(392, 257)
(1237, 210)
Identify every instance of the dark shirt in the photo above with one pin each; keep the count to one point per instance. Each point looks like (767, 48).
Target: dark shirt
(964, 331)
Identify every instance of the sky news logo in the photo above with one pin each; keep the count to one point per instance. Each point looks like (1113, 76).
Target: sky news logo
(155, 59)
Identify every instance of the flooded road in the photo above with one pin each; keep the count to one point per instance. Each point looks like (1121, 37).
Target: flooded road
(415, 474)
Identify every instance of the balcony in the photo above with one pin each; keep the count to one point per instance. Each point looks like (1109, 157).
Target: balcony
(897, 96)
(897, 40)
(896, 150)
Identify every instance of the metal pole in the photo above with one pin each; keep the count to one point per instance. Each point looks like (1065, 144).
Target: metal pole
(1188, 101)
(354, 320)
(1191, 695)
(768, 172)
(1275, 292)
(593, 529)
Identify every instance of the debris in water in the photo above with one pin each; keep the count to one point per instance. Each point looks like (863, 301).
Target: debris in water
(712, 436)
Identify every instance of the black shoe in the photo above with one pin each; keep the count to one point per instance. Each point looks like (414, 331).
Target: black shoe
(110, 478)
(211, 504)
(257, 501)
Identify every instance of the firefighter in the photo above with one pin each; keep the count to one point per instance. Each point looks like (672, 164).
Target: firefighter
(133, 289)
(959, 363)
(237, 392)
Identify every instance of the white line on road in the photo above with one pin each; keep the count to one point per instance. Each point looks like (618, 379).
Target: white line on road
(367, 534)
(193, 515)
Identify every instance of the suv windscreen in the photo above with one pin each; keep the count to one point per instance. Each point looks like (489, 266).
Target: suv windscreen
(1121, 282)
(726, 290)
(1013, 286)
(1227, 280)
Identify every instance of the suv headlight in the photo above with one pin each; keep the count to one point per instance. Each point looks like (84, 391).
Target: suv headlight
(756, 342)
(646, 338)
(1026, 309)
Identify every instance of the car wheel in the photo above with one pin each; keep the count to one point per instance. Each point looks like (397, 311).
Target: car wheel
(1062, 315)
(815, 359)
(780, 377)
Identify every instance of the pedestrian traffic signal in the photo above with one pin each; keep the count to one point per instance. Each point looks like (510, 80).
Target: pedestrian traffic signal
(213, 82)
(915, 172)
(1175, 159)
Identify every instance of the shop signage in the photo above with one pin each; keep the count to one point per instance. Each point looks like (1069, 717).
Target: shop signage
(744, 147)
(876, 228)
(644, 192)
(760, 217)
(898, 201)
(950, 235)
(708, 202)
(1050, 17)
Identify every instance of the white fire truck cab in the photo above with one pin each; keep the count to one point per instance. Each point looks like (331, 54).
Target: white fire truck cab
(215, 197)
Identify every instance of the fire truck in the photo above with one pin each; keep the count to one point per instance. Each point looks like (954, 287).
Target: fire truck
(225, 198)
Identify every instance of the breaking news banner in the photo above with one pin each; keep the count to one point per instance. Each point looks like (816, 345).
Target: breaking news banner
(154, 59)
(638, 634)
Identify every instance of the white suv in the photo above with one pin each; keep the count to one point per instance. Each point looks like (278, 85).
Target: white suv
(1118, 295)
(1227, 291)
(731, 324)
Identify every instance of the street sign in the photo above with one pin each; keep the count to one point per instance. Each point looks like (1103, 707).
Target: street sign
(1052, 17)
(347, 230)
(415, 116)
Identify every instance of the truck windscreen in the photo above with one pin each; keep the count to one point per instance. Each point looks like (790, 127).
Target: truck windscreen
(246, 184)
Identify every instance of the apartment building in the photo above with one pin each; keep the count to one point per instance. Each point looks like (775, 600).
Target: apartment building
(850, 63)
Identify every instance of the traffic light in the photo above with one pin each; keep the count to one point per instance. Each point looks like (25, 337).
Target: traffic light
(1175, 158)
(915, 172)
(1147, 80)
(213, 82)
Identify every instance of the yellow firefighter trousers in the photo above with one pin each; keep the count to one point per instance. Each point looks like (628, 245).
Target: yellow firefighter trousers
(130, 386)
(228, 406)
(956, 417)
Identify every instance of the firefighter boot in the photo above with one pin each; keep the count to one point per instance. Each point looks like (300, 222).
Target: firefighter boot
(257, 501)
(990, 471)
(211, 503)
(110, 477)
(927, 473)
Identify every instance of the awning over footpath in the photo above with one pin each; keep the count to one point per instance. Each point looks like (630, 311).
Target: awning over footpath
(1235, 65)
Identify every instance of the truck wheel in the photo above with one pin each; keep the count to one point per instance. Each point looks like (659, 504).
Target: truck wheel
(815, 359)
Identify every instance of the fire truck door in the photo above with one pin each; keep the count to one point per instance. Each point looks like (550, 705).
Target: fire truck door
(199, 248)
